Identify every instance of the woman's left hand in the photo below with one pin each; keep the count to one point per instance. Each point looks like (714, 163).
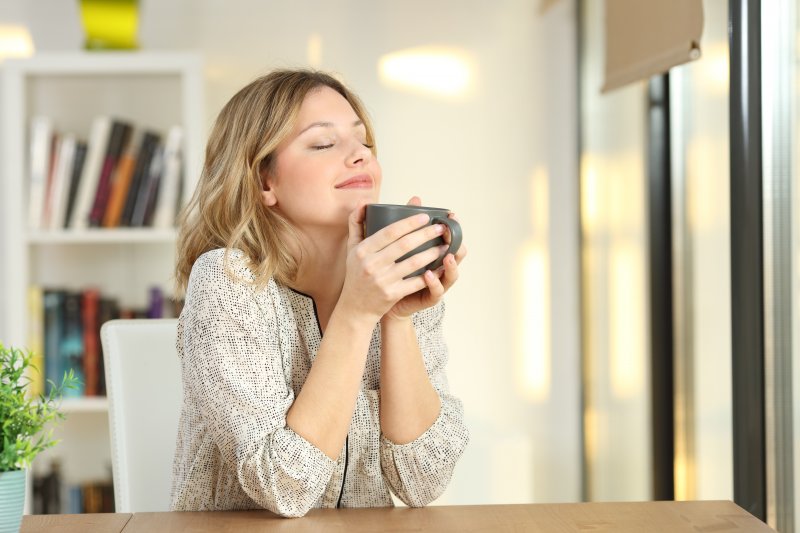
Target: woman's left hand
(437, 282)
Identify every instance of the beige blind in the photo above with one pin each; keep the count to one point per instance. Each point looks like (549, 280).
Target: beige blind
(648, 37)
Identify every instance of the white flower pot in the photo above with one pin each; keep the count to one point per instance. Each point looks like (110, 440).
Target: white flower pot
(12, 500)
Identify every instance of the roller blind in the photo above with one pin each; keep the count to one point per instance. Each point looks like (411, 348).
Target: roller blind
(647, 37)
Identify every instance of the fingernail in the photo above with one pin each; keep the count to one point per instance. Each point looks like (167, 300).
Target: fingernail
(439, 228)
(421, 218)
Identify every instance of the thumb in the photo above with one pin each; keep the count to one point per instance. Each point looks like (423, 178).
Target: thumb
(356, 224)
(415, 200)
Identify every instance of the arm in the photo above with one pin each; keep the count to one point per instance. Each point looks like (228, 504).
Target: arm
(233, 373)
(409, 403)
(418, 471)
(324, 407)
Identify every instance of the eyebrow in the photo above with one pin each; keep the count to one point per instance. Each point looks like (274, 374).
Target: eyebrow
(356, 123)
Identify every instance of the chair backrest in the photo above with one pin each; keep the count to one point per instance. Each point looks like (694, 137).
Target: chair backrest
(144, 400)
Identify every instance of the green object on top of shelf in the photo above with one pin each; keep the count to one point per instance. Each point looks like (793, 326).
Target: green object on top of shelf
(110, 24)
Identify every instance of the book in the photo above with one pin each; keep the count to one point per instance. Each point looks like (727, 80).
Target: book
(148, 193)
(55, 143)
(90, 175)
(74, 181)
(91, 341)
(53, 332)
(167, 204)
(107, 310)
(122, 182)
(36, 339)
(71, 345)
(117, 142)
(155, 307)
(40, 147)
(150, 142)
(59, 188)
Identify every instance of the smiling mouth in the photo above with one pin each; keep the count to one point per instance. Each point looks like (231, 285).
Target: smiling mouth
(356, 182)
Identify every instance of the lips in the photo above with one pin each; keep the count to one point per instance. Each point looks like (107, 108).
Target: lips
(363, 181)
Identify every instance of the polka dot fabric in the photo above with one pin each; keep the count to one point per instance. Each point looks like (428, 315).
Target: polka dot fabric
(244, 356)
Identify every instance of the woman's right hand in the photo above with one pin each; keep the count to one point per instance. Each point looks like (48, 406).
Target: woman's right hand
(374, 282)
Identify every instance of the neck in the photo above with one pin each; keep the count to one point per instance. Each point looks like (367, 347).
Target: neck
(322, 268)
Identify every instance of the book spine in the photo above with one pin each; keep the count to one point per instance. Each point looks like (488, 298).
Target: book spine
(74, 181)
(139, 179)
(71, 349)
(120, 134)
(40, 146)
(36, 339)
(53, 331)
(122, 183)
(149, 190)
(91, 341)
(61, 177)
(49, 193)
(90, 176)
(169, 197)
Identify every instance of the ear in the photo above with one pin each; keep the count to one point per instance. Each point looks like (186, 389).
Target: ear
(268, 198)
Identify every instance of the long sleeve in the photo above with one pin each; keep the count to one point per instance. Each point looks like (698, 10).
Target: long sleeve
(419, 471)
(235, 383)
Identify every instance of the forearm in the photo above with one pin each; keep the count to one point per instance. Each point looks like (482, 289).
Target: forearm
(322, 411)
(409, 404)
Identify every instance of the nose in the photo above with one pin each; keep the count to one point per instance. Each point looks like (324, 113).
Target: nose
(359, 154)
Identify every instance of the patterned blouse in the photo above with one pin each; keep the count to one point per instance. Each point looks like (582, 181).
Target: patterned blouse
(244, 355)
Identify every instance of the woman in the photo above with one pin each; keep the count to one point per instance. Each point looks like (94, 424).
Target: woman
(313, 372)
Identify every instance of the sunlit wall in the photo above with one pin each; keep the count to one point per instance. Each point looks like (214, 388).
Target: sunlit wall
(701, 231)
(614, 278)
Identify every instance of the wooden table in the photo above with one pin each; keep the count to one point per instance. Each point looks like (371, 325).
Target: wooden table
(672, 517)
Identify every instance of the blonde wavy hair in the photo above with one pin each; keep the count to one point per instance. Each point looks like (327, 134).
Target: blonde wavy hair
(226, 210)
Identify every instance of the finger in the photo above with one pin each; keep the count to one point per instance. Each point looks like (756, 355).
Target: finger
(453, 216)
(415, 200)
(418, 261)
(356, 224)
(412, 285)
(450, 273)
(394, 231)
(435, 286)
(413, 240)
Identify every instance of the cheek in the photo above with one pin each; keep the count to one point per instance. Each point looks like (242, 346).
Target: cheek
(378, 175)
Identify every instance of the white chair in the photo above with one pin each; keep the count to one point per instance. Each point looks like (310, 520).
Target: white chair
(144, 399)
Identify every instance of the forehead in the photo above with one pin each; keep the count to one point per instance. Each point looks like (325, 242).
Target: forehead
(324, 104)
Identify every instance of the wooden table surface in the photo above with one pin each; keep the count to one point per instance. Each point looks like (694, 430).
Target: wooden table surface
(673, 517)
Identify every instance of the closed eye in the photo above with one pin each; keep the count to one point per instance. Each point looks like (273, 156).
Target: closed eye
(321, 147)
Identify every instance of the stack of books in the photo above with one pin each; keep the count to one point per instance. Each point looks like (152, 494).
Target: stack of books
(52, 496)
(121, 177)
(64, 333)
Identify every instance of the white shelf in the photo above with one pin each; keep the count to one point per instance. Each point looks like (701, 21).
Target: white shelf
(98, 236)
(152, 90)
(89, 404)
(106, 63)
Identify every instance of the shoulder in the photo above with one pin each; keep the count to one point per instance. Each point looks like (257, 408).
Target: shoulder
(220, 264)
(222, 282)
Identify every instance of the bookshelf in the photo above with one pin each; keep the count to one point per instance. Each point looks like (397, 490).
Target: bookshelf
(153, 90)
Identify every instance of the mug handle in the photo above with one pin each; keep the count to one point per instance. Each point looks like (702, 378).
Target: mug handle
(455, 236)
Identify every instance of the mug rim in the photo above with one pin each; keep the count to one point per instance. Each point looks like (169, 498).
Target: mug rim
(413, 207)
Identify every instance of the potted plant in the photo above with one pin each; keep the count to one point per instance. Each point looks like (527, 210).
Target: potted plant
(22, 428)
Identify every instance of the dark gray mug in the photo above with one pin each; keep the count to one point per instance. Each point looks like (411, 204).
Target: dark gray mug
(381, 215)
